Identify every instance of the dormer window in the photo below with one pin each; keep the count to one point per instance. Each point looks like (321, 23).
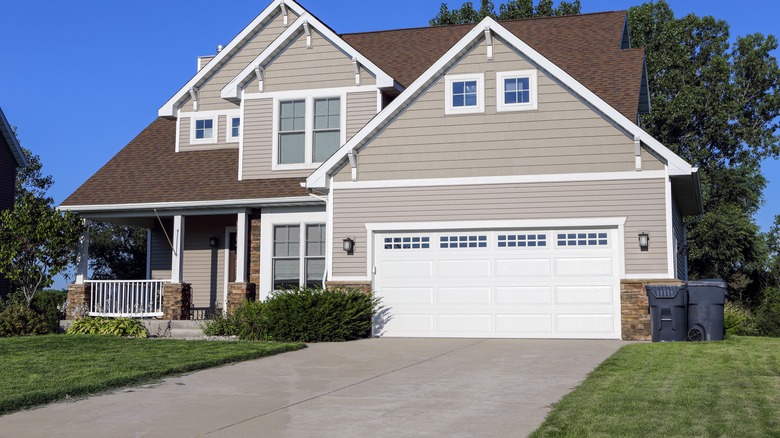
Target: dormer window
(203, 130)
(516, 90)
(327, 128)
(308, 131)
(465, 94)
(235, 129)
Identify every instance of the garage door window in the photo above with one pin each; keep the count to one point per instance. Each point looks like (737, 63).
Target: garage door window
(470, 241)
(521, 240)
(582, 239)
(412, 242)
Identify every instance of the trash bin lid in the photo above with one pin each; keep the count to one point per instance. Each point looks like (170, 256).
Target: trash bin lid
(665, 291)
(711, 282)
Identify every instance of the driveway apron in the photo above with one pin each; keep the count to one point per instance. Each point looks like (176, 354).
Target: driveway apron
(375, 387)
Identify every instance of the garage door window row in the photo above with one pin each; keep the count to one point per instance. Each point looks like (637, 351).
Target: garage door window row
(582, 239)
(521, 240)
(470, 241)
(413, 242)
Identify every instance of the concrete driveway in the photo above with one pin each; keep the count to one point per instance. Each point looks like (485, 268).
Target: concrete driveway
(374, 387)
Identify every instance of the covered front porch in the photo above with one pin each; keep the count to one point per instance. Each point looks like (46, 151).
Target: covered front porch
(197, 263)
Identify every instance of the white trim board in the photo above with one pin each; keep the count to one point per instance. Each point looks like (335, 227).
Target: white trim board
(490, 224)
(238, 203)
(318, 179)
(233, 89)
(510, 179)
(171, 106)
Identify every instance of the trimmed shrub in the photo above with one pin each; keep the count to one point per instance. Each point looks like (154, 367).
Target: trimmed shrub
(736, 319)
(319, 315)
(50, 305)
(122, 327)
(18, 320)
(248, 321)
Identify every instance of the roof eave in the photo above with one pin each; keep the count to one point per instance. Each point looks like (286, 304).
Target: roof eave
(10, 137)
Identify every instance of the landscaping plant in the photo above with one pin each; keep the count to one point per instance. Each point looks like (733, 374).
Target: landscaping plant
(736, 319)
(17, 320)
(122, 327)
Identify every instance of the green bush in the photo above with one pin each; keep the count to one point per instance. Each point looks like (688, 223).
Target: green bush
(319, 315)
(123, 327)
(767, 315)
(737, 319)
(220, 325)
(248, 321)
(18, 320)
(51, 305)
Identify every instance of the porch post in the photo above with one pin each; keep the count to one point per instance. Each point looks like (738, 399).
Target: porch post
(241, 246)
(148, 253)
(82, 258)
(177, 258)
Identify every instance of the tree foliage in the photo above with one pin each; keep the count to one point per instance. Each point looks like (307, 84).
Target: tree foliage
(511, 10)
(117, 252)
(715, 105)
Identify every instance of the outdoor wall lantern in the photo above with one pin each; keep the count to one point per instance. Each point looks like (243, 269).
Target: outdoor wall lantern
(644, 241)
(348, 244)
(213, 242)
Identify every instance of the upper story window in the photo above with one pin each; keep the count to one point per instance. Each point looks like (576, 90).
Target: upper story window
(308, 131)
(464, 94)
(204, 130)
(516, 90)
(234, 130)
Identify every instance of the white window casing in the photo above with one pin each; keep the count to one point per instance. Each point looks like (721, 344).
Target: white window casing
(212, 139)
(449, 83)
(501, 77)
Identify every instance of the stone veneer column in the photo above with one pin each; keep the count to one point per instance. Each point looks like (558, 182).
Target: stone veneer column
(176, 300)
(238, 293)
(635, 309)
(253, 272)
(79, 300)
(364, 286)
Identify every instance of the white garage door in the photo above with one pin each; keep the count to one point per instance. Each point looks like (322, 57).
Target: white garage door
(499, 283)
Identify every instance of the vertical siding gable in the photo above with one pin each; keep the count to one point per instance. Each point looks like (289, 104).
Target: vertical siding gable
(565, 134)
(298, 67)
(209, 95)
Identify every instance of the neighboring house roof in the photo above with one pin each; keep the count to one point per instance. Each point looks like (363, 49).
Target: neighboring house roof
(588, 47)
(149, 170)
(7, 132)
(677, 166)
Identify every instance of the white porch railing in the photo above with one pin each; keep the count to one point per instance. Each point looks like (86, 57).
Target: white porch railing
(126, 298)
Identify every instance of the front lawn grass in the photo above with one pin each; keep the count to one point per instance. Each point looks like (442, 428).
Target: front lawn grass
(681, 389)
(41, 369)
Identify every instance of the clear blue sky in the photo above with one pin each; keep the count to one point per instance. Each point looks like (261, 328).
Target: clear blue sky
(82, 78)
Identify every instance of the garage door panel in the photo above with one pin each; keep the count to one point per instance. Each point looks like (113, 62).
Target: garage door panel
(408, 295)
(411, 324)
(584, 294)
(585, 325)
(407, 269)
(465, 324)
(525, 325)
(463, 295)
(463, 268)
(523, 268)
(524, 295)
(582, 266)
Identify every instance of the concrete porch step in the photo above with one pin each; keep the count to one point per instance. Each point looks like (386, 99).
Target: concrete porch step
(174, 329)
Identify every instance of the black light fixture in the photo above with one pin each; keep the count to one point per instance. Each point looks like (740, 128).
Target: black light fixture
(213, 242)
(348, 244)
(644, 241)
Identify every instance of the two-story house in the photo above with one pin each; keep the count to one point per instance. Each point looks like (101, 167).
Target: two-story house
(485, 180)
(11, 158)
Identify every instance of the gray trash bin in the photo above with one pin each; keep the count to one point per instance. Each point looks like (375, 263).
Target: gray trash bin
(705, 309)
(668, 315)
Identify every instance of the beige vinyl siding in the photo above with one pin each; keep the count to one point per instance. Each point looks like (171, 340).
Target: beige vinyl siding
(161, 255)
(209, 97)
(354, 208)
(650, 161)
(204, 267)
(564, 135)
(185, 125)
(300, 68)
(361, 107)
(680, 234)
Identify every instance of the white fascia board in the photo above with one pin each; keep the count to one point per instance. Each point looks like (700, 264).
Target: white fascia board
(677, 166)
(169, 108)
(495, 224)
(233, 89)
(260, 202)
(10, 137)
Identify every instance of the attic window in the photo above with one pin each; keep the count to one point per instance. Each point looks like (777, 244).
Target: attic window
(204, 131)
(234, 130)
(516, 90)
(465, 94)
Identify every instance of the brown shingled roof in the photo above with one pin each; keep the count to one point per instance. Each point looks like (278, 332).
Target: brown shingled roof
(148, 169)
(585, 46)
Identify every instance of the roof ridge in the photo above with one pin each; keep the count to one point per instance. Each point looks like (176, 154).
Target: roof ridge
(450, 26)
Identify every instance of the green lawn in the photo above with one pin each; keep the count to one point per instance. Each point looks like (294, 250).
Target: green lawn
(41, 369)
(729, 388)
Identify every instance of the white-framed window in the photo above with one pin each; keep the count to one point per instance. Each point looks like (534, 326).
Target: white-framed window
(516, 90)
(298, 255)
(203, 130)
(307, 131)
(234, 129)
(464, 94)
